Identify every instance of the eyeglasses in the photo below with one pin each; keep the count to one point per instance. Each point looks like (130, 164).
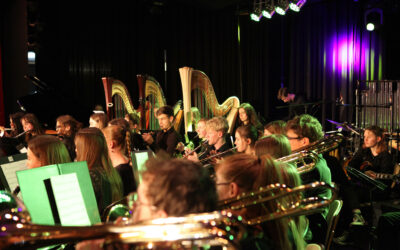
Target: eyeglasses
(295, 138)
(223, 183)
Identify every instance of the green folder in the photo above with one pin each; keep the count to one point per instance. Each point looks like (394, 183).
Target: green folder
(139, 158)
(36, 196)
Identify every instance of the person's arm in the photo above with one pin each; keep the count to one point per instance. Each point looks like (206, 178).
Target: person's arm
(172, 141)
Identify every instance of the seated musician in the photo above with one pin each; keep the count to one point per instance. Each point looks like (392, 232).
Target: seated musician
(137, 142)
(170, 187)
(248, 116)
(66, 127)
(98, 120)
(119, 149)
(45, 150)
(371, 159)
(217, 128)
(245, 139)
(275, 127)
(276, 146)
(31, 126)
(107, 184)
(243, 173)
(133, 121)
(9, 140)
(167, 138)
(302, 131)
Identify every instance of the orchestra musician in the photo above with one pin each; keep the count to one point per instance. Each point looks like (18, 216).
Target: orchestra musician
(45, 150)
(275, 127)
(9, 140)
(371, 159)
(118, 142)
(245, 139)
(276, 146)
(170, 187)
(137, 142)
(166, 139)
(241, 173)
(107, 184)
(98, 120)
(292, 99)
(217, 128)
(67, 127)
(302, 131)
(248, 116)
(31, 126)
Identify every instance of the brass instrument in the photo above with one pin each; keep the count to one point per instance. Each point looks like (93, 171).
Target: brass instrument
(288, 201)
(218, 154)
(194, 230)
(196, 148)
(306, 157)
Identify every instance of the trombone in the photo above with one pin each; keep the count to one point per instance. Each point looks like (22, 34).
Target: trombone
(218, 155)
(289, 201)
(306, 157)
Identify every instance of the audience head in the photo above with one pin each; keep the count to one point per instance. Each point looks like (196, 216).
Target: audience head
(98, 120)
(303, 130)
(201, 128)
(245, 139)
(165, 117)
(45, 150)
(374, 137)
(174, 187)
(216, 128)
(119, 122)
(67, 125)
(275, 127)
(275, 146)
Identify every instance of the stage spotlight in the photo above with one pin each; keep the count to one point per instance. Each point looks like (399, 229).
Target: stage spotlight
(256, 15)
(296, 5)
(268, 10)
(281, 7)
(373, 19)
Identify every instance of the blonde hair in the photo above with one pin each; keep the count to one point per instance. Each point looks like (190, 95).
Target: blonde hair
(218, 123)
(120, 135)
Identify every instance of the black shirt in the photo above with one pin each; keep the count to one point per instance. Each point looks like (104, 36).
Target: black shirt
(126, 172)
(166, 141)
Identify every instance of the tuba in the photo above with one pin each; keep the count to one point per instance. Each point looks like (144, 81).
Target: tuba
(287, 201)
(306, 157)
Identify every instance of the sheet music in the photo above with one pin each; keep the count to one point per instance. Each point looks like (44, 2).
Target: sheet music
(10, 169)
(70, 205)
(141, 158)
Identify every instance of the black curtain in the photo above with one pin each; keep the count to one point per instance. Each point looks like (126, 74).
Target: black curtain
(320, 51)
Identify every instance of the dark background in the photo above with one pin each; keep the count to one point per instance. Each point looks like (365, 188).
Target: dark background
(78, 42)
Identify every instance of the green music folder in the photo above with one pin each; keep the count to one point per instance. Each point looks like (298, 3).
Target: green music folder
(39, 198)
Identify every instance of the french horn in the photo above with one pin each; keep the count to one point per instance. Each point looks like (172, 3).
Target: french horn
(305, 158)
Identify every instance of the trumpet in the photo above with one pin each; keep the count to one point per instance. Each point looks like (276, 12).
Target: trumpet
(306, 157)
(289, 201)
(218, 154)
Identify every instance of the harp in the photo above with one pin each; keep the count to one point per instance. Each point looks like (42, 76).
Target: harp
(151, 97)
(197, 91)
